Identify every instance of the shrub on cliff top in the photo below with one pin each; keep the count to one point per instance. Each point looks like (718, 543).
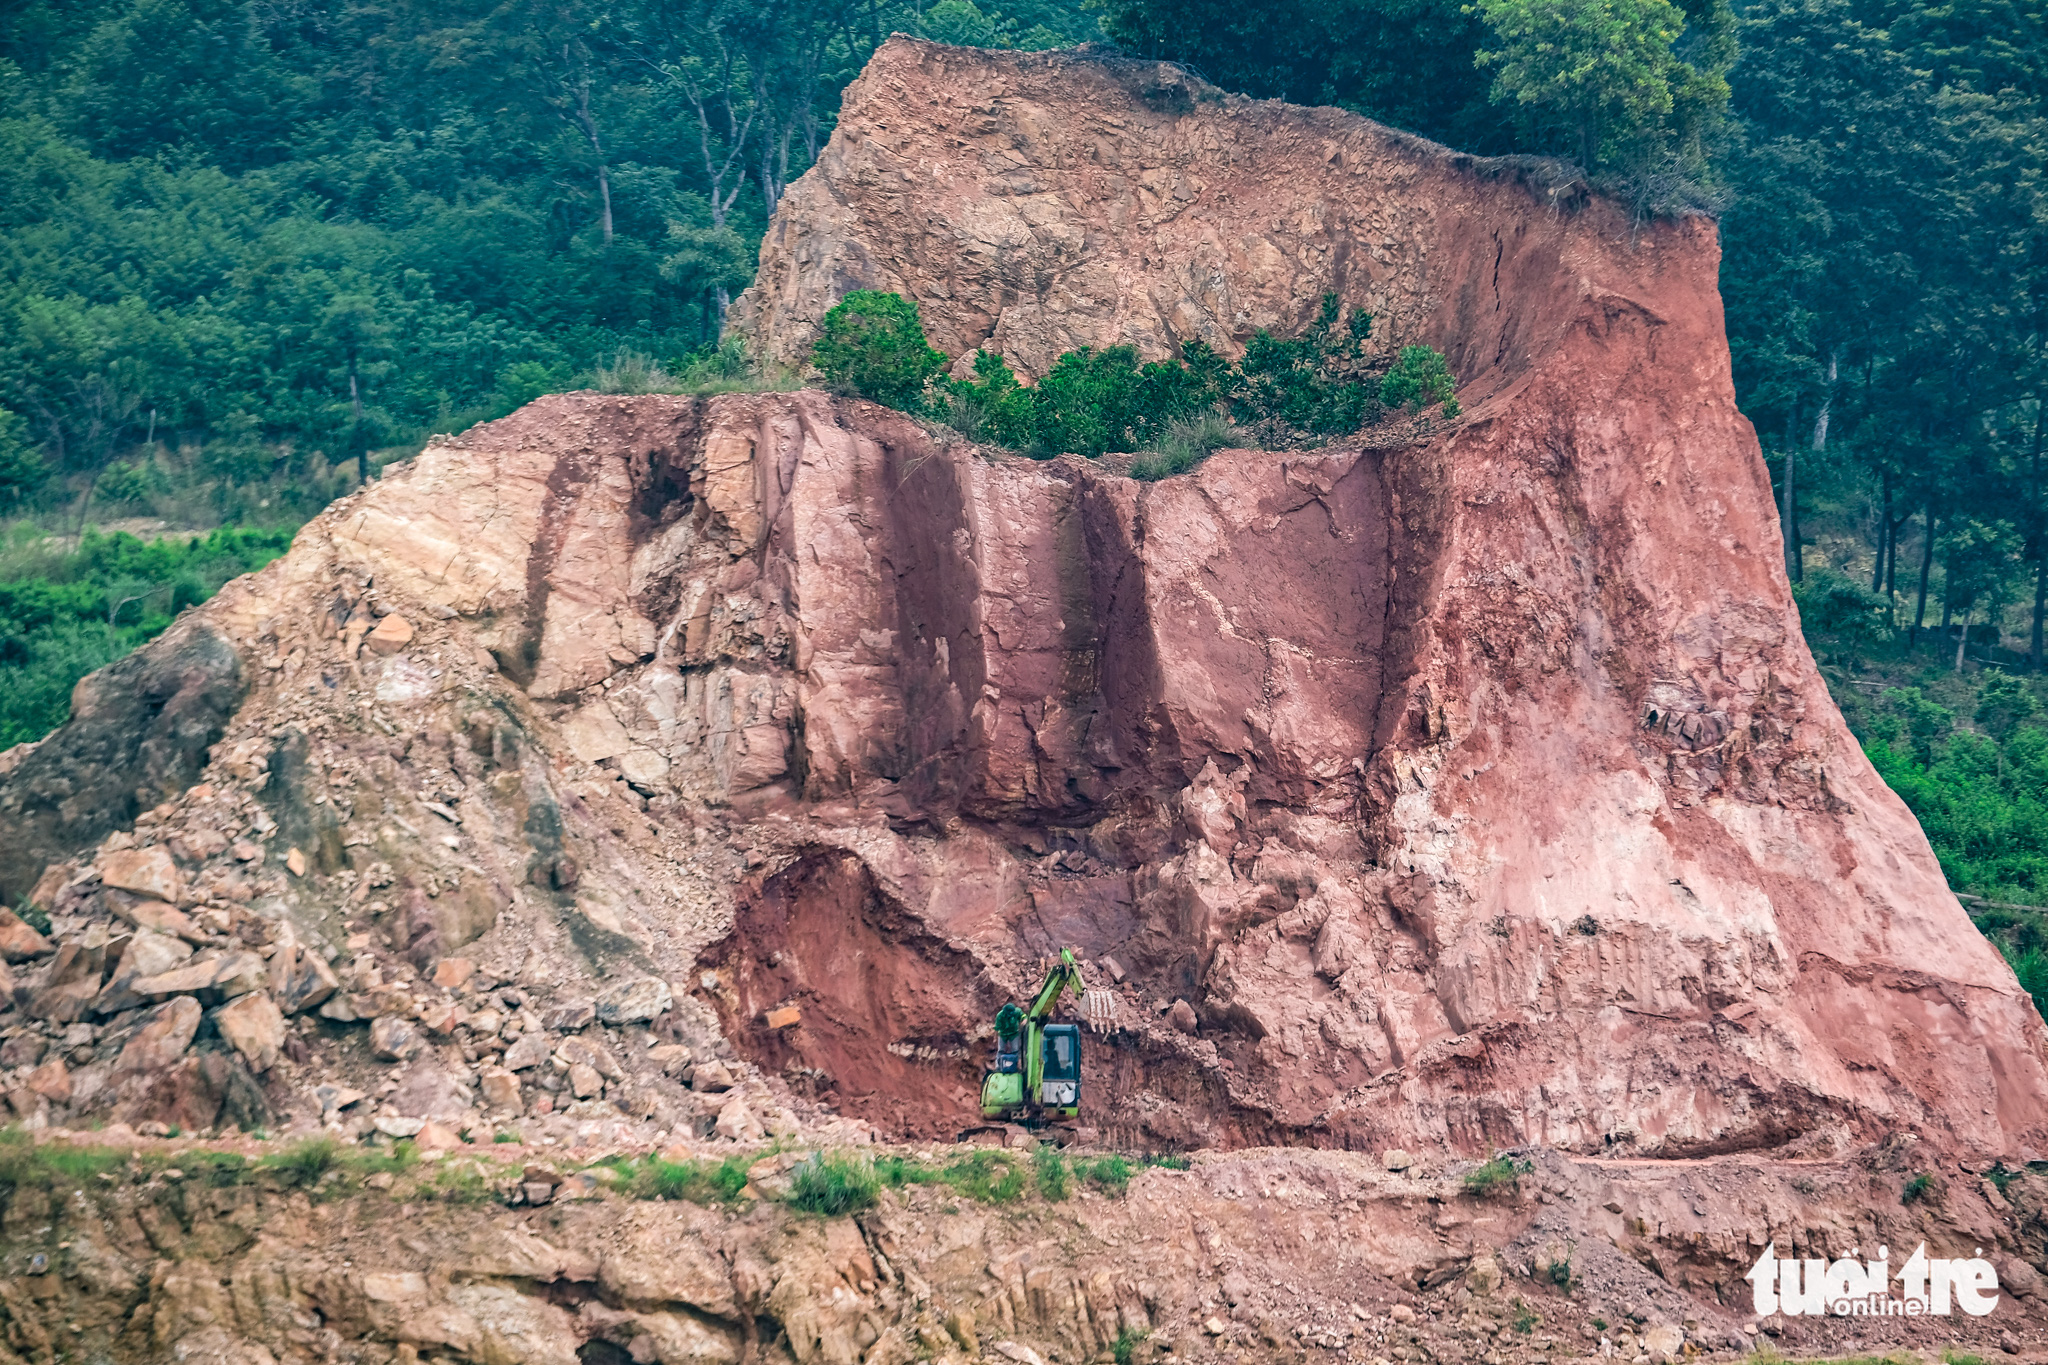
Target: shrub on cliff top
(1292, 390)
(872, 345)
(1419, 378)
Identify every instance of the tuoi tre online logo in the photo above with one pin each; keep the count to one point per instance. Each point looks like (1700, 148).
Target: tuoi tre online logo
(1849, 1287)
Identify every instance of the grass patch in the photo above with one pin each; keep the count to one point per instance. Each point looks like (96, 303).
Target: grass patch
(1049, 1168)
(1110, 1174)
(1169, 1161)
(833, 1185)
(1125, 1347)
(1920, 1187)
(699, 1182)
(1501, 1175)
(26, 1163)
(303, 1163)
(987, 1177)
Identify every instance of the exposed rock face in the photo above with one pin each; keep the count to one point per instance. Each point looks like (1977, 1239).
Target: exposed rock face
(139, 732)
(1270, 1255)
(1450, 788)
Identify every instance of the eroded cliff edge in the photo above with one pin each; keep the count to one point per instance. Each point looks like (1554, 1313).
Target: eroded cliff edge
(1471, 784)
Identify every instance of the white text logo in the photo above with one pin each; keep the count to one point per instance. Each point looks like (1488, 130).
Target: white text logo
(1857, 1288)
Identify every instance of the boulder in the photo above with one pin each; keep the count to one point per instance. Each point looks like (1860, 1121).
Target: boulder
(451, 972)
(1664, 1341)
(500, 1089)
(568, 1017)
(300, 978)
(429, 1092)
(19, 942)
(736, 1121)
(528, 1050)
(148, 872)
(711, 1077)
(148, 954)
(394, 1039)
(392, 634)
(584, 1052)
(253, 1025)
(159, 918)
(633, 1002)
(163, 1038)
(51, 1080)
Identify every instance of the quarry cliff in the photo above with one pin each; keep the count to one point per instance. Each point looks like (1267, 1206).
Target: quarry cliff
(1462, 785)
(700, 775)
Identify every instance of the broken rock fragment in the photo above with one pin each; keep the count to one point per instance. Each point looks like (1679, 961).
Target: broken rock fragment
(254, 1026)
(393, 1039)
(392, 634)
(633, 1002)
(145, 871)
(18, 941)
(163, 1039)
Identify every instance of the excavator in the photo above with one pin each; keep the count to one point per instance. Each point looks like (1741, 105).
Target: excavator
(1036, 1078)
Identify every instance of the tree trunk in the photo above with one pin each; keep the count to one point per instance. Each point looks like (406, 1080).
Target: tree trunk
(1926, 564)
(1884, 535)
(1962, 639)
(1786, 518)
(355, 431)
(2040, 603)
(2040, 542)
(604, 195)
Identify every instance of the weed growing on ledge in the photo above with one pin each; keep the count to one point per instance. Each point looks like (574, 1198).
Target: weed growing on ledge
(1501, 1175)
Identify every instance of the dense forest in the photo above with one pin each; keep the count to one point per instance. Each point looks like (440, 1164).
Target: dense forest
(250, 250)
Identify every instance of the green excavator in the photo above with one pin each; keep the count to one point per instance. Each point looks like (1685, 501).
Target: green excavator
(1036, 1078)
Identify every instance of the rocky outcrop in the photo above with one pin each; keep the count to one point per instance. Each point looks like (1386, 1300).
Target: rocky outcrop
(717, 767)
(290, 1256)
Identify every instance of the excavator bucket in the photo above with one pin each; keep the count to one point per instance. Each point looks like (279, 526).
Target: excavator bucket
(1098, 1007)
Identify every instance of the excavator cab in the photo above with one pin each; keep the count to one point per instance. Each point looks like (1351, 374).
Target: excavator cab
(1059, 1089)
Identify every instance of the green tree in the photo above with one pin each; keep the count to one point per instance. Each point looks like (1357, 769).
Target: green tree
(1419, 378)
(1601, 72)
(21, 466)
(872, 344)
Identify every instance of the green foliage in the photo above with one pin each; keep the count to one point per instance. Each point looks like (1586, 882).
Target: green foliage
(1185, 443)
(1313, 383)
(303, 1163)
(1526, 1320)
(833, 1185)
(1290, 390)
(1604, 73)
(1920, 1187)
(22, 470)
(1125, 1348)
(64, 614)
(26, 1163)
(872, 345)
(1419, 379)
(1169, 1161)
(699, 1182)
(1404, 62)
(1049, 1167)
(1110, 1174)
(988, 1177)
(1502, 1174)
(1842, 612)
